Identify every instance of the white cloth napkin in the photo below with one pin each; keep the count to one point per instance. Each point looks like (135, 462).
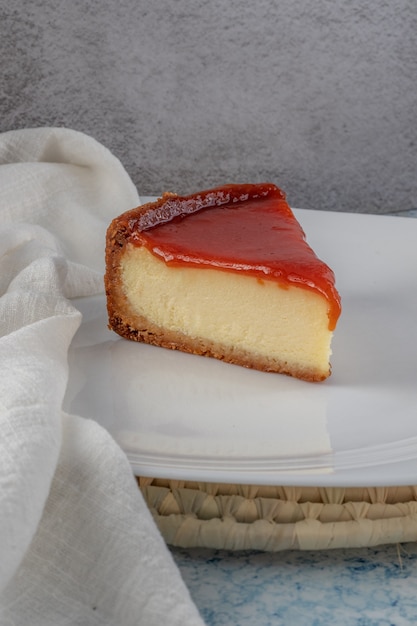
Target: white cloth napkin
(77, 543)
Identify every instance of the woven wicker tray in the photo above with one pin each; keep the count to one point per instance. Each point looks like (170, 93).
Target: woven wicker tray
(242, 517)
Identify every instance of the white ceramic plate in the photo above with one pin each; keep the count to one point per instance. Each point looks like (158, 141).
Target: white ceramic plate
(186, 417)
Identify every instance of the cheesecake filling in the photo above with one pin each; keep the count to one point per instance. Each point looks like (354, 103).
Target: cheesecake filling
(239, 311)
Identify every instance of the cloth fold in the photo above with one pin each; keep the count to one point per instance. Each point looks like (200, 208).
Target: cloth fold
(77, 542)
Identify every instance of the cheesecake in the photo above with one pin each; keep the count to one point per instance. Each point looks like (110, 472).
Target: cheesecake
(225, 273)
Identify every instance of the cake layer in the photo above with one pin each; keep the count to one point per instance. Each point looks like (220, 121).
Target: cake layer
(225, 273)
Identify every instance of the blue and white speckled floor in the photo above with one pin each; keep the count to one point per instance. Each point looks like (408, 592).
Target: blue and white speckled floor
(373, 586)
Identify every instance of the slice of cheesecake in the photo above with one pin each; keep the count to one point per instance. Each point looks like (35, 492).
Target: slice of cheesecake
(225, 273)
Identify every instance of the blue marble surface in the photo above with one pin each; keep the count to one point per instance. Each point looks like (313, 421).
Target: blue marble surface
(370, 586)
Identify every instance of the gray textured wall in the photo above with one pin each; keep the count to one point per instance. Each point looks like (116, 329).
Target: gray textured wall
(318, 96)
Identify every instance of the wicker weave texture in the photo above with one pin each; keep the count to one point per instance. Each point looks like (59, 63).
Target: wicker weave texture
(242, 517)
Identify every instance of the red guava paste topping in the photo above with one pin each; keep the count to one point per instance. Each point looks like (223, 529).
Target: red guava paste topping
(241, 228)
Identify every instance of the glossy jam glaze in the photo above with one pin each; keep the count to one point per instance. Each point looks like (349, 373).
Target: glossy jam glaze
(241, 228)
